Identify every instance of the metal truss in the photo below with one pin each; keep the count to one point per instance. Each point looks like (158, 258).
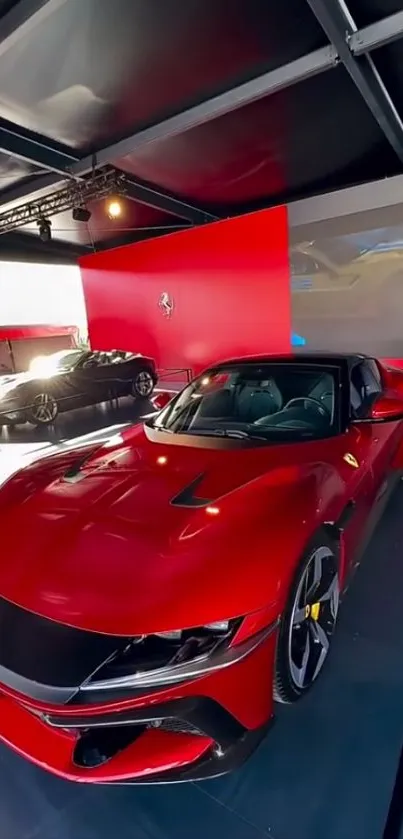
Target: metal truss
(348, 46)
(74, 195)
(339, 26)
(377, 35)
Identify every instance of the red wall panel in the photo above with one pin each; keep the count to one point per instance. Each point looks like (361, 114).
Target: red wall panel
(229, 283)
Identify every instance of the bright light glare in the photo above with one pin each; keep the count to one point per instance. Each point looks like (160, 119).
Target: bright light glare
(114, 209)
(116, 440)
(205, 381)
(42, 366)
(213, 511)
(162, 460)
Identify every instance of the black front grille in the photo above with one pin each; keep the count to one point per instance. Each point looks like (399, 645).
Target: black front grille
(177, 726)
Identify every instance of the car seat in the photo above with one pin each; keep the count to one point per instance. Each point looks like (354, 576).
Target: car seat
(215, 405)
(258, 399)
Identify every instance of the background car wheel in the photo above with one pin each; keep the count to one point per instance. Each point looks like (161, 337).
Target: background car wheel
(143, 384)
(43, 410)
(13, 419)
(308, 622)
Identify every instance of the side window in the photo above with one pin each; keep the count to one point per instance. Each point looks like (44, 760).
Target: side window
(372, 366)
(365, 384)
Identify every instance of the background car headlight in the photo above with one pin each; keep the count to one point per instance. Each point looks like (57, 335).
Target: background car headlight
(162, 658)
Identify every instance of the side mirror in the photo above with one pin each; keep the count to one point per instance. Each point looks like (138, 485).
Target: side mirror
(387, 408)
(161, 399)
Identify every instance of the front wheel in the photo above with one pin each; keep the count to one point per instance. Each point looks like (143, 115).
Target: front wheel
(143, 384)
(43, 410)
(308, 623)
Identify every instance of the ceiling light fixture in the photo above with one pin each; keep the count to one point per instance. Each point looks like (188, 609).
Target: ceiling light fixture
(114, 209)
(45, 229)
(74, 197)
(81, 214)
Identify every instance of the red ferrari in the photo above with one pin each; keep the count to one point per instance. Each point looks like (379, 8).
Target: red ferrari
(159, 593)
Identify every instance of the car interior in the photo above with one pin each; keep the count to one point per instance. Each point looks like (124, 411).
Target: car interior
(298, 399)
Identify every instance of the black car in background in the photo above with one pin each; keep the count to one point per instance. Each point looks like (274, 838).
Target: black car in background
(70, 379)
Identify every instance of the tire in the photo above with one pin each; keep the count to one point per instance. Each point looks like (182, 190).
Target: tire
(308, 622)
(13, 419)
(43, 409)
(143, 384)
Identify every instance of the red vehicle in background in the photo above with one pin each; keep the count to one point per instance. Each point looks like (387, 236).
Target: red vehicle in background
(20, 345)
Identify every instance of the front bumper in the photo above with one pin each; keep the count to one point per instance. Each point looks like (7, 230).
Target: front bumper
(196, 730)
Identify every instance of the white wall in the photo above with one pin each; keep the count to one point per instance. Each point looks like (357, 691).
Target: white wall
(31, 293)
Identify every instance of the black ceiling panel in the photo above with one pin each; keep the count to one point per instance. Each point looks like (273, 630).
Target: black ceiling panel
(369, 11)
(276, 146)
(389, 62)
(91, 70)
(76, 77)
(6, 5)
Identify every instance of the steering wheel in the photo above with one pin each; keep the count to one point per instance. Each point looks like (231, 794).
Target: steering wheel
(310, 399)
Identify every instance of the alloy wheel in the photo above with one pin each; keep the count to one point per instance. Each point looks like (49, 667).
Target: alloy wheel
(44, 408)
(313, 618)
(143, 384)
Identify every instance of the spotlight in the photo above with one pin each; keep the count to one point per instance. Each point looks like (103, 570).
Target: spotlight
(114, 209)
(45, 232)
(81, 214)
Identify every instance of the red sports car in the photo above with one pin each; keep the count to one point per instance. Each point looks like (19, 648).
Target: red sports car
(159, 593)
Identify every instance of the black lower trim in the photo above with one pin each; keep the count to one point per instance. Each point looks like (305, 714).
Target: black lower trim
(392, 481)
(346, 516)
(201, 712)
(102, 736)
(212, 764)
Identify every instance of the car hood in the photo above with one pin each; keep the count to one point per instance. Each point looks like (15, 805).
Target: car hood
(8, 383)
(105, 549)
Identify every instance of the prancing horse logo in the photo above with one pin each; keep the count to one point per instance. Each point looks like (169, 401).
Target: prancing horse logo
(166, 304)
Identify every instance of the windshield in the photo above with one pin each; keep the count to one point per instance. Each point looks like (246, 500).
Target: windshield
(257, 401)
(55, 363)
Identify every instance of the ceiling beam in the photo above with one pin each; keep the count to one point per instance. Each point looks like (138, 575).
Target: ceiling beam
(377, 35)
(303, 68)
(210, 109)
(34, 150)
(22, 17)
(339, 26)
(336, 22)
(157, 199)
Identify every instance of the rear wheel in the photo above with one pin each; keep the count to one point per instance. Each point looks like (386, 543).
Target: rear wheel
(143, 384)
(43, 409)
(308, 623)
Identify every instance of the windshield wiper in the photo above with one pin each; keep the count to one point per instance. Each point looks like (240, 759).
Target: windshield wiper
(225, 432)
(305, 432)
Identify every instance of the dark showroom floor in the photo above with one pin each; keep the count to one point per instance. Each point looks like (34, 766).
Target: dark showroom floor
(77, 423)
(325, 771)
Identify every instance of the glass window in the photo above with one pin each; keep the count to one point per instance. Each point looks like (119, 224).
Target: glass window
(365, 384)
(256, 401)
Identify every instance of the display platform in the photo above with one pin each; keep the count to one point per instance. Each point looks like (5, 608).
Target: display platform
(325, 771)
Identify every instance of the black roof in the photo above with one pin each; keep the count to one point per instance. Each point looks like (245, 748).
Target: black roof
(325, 358)
(211, 108)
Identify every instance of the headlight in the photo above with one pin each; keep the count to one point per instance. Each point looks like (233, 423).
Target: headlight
(167, 657)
